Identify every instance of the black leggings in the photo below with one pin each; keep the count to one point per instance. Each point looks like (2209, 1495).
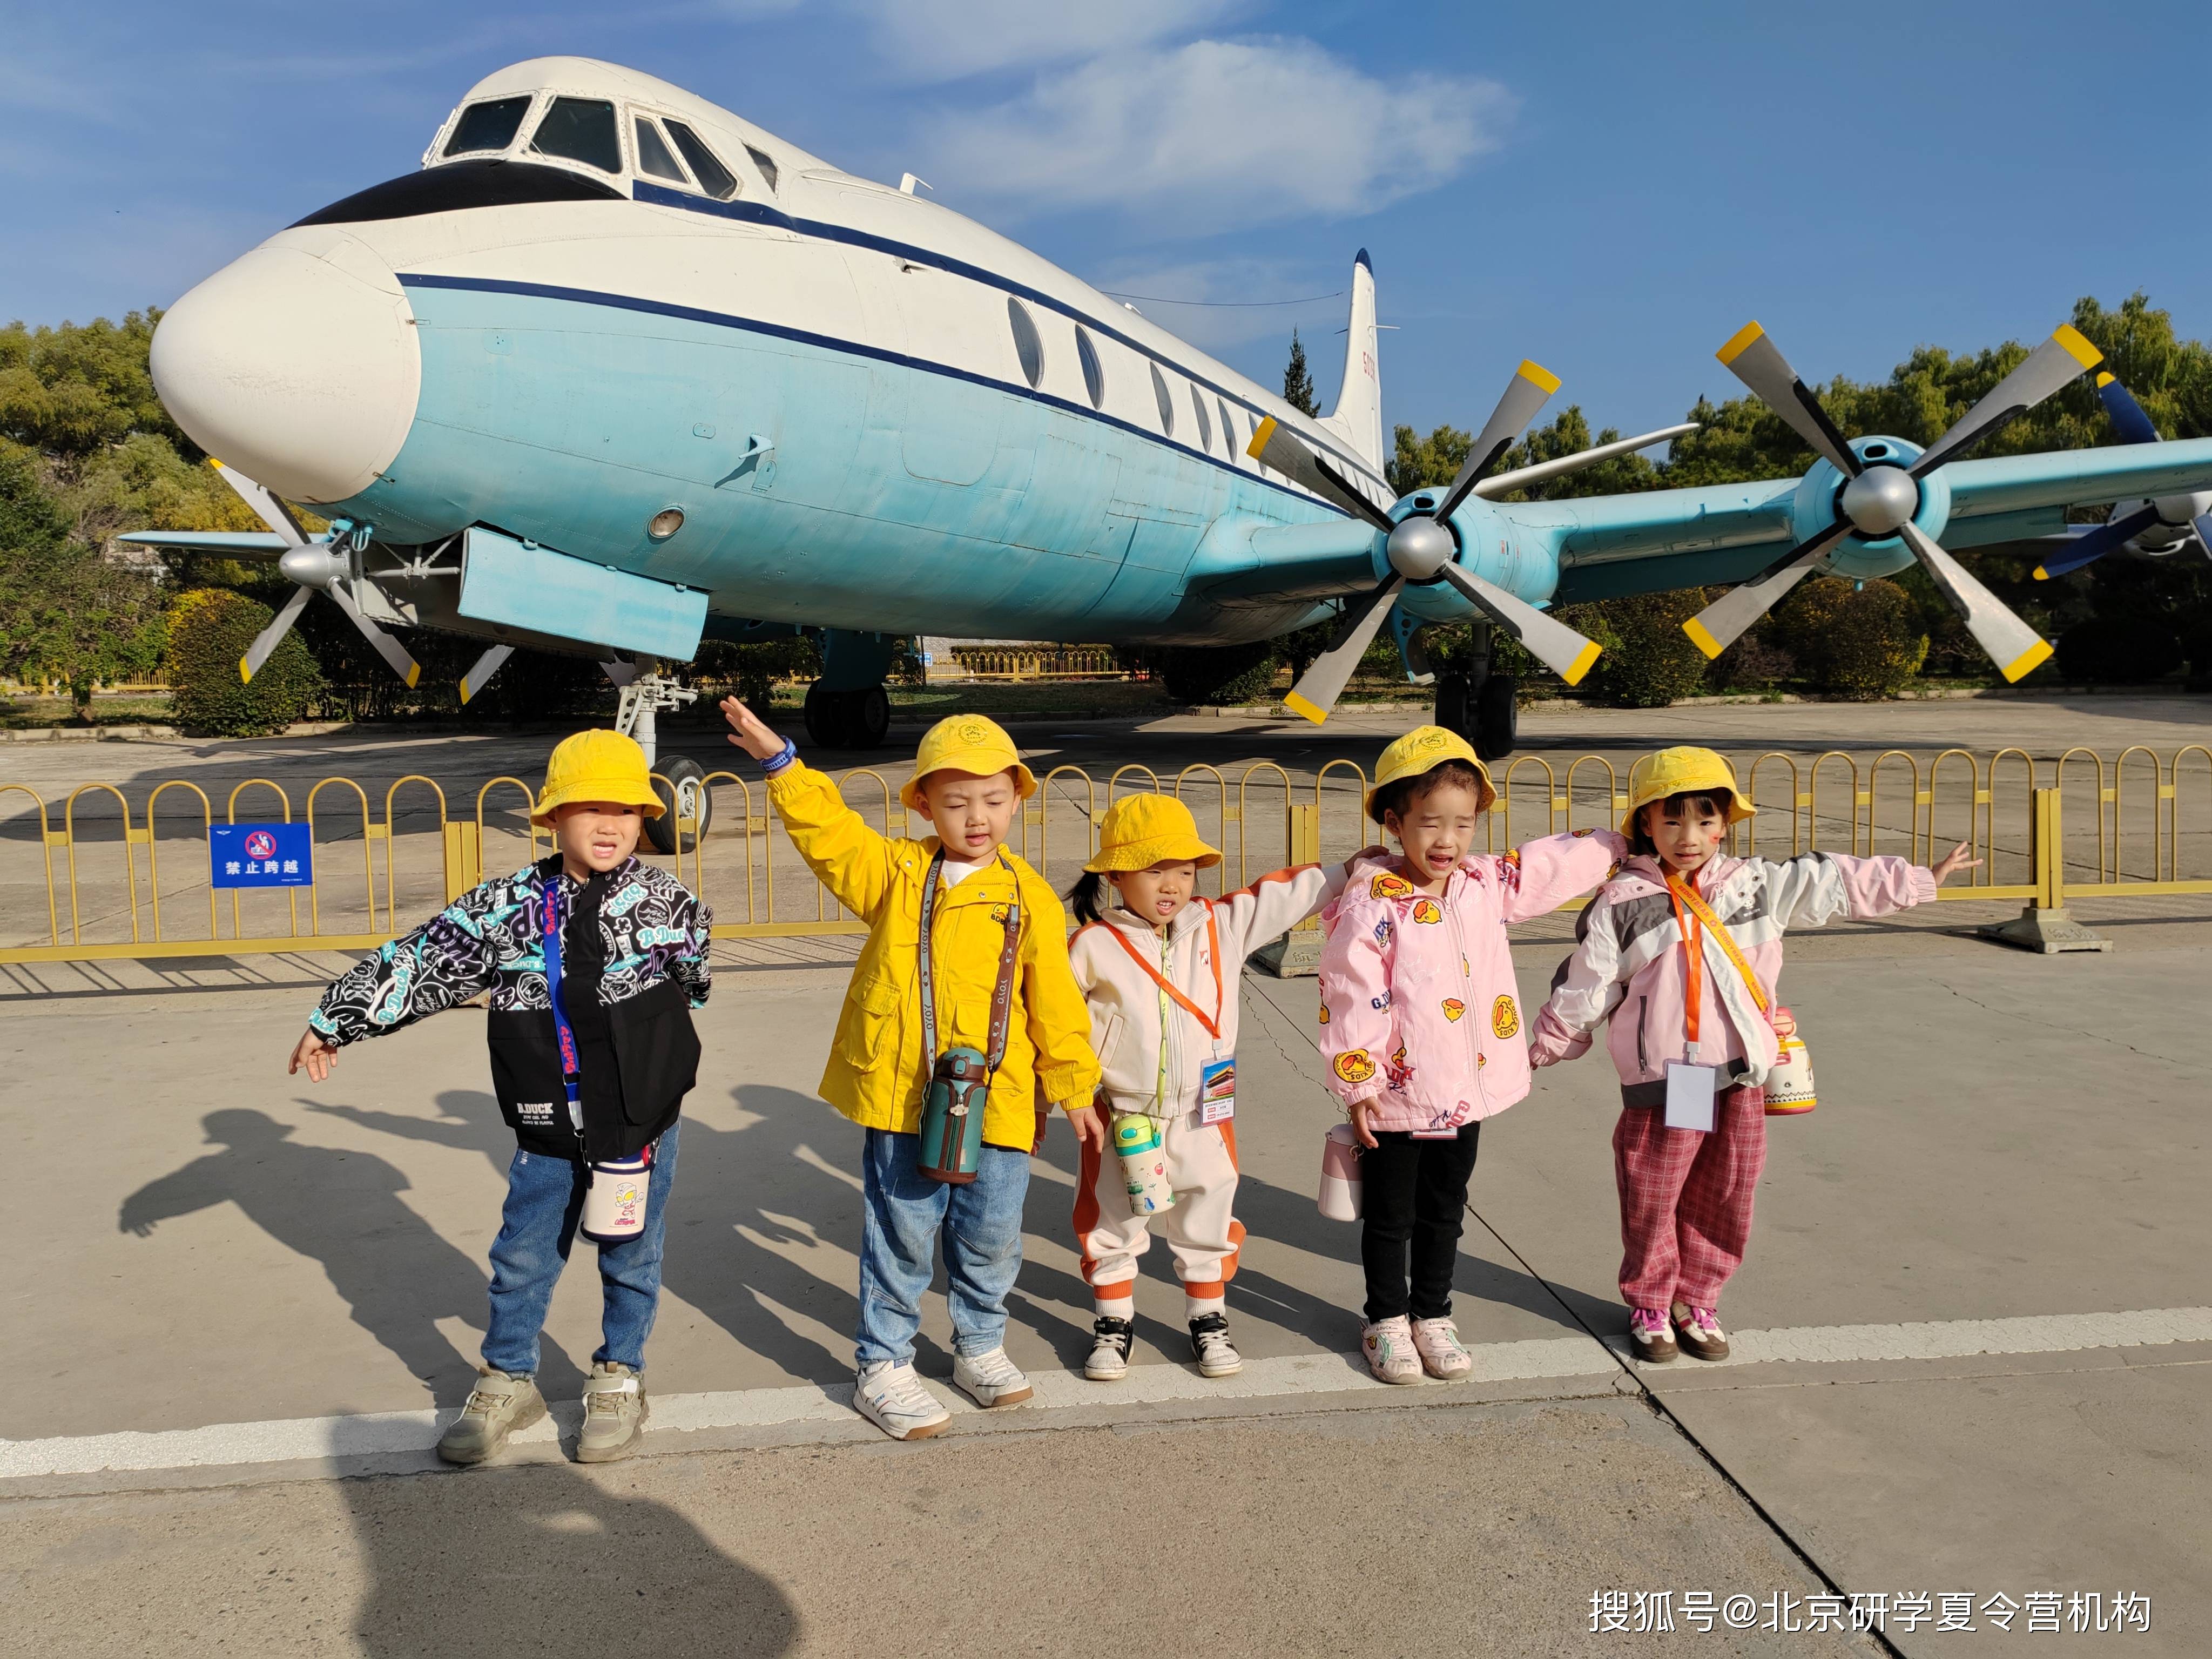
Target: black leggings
(1413, 1191)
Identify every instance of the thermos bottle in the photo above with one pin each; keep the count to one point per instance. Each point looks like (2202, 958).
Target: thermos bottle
(1144, 1158)
(613, 1204)
(1340, 1196)
(1789, 1085)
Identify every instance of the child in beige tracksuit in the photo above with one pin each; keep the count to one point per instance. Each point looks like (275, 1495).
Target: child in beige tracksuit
(1160, 966)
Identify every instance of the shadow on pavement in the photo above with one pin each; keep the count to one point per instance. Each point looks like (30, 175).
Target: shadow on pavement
(397, 1276)
(540, 1560)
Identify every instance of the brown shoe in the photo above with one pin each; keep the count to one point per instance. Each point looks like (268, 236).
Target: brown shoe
(1699, 1332)
(1647, 1335)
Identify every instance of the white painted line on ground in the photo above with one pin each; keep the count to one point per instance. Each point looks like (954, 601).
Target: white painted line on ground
(233, 1445)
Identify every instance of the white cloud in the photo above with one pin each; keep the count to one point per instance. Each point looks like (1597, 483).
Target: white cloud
(948, 40)
(1218, 135)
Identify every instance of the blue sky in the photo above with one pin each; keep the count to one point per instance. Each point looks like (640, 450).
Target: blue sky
(1610, 189)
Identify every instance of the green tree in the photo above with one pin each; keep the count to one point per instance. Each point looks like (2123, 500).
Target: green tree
(1297, 384)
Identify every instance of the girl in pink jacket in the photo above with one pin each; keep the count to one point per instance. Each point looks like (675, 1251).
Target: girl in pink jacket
(1420, 1026)
(1661, 954)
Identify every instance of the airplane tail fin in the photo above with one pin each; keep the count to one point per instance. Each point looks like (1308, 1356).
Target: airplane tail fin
(1358, 417)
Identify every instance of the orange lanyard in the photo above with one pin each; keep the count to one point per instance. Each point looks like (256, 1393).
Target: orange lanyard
(1694, 951)
(1213, 943)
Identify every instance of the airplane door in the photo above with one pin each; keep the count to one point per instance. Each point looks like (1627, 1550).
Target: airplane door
(951, 431)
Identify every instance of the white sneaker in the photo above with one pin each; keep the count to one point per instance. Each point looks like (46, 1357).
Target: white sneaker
(991, 1379)
(1443, 1355)
(1110, 1340)
(892, 1397)
(1211, 1347)
(1388, 1345)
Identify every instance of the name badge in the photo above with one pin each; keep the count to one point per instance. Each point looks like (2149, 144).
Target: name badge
(1217, 1090)
(1690, 1096)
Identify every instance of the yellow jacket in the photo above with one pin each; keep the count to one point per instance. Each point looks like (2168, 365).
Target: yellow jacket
(877, 1067)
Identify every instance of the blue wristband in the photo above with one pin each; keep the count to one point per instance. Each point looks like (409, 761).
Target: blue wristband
(775, 763)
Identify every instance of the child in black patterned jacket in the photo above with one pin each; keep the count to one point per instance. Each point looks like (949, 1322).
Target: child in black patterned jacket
(594, 962)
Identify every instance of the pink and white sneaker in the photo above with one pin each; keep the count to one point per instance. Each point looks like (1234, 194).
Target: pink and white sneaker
(1443, 1355)
(1388, 1345)
(1700, 1330)
(1650, 1335)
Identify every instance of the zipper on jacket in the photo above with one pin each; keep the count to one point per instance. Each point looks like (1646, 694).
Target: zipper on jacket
(1467, 982)
(1643, 1024)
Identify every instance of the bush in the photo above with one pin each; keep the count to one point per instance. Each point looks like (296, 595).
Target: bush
(2119, 650)
(1649, 660)
(210, 630)
(1754, 663)
(1857, 642)
(751, 671)
(1217, 676)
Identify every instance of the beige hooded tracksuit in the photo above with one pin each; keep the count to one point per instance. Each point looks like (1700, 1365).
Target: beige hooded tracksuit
(1163, 1007)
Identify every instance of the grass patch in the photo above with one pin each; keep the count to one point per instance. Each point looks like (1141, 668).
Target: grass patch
(29, 713)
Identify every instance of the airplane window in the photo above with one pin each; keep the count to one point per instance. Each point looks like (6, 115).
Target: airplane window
(1027, 345)
(488, 126)
(717, 181)
(582, 129)
(1228, 431)
(765, 162)
(1205, 427)
(1167, 405)
(653, 155)
(1094, 376)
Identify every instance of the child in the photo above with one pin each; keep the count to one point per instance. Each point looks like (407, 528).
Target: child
(999, 1001)
(1686, 943)
(1420, 1020)
(595, 1070)
(1161, 967)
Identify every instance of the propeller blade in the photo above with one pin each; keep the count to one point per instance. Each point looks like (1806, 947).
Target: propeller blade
(1548, 640)
(2112, 533)
(273, 635)
(1528, 390)
(2126, 415)
(488, 664)
(2059, 359)
(274, 514)
(2012, 645)
(1325, 677)
(1752, 358)
(2202, 524)
(1272, 446)
(390, 649)
(1501, 484)
(1722, 623)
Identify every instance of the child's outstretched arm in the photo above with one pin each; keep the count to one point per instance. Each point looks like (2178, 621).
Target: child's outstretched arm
(446, 960)
(1817, 887)
(1540, 875)
(1584, 992)
(852, 861)
(1059, 1018)
(1283, 898)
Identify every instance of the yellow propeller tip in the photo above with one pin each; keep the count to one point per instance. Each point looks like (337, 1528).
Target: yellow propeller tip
(1738, 342)
(1298, 705)
(1702, 637)
(2077, 345)
(2105, 378)
(1536, 374)
(2029, 659)
(1260, 435)
(244, 673)
(2041, 574)
(1581, 666)
(414, 673)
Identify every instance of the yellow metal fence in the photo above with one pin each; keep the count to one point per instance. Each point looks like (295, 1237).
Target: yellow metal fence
(88, 877)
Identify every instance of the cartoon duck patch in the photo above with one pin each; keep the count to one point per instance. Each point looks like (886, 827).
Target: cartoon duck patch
(1427, 911)
(1355, 1066)
(1504, 1018)
(1388, 886)
(1454, 1008)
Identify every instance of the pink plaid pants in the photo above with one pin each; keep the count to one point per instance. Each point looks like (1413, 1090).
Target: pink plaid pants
(1686, 1199)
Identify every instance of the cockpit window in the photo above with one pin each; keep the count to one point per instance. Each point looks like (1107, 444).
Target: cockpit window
(765, 162)
(717, 181)
(489, 126)
(653, 155)
(580, 130)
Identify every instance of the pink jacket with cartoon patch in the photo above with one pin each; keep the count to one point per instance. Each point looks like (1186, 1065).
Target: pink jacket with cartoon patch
(1418, 1005)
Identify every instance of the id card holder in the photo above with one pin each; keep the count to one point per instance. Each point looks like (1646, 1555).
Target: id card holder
(1690, 1091)
(1217, 1090)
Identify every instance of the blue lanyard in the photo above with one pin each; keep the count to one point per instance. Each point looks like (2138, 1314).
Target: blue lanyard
(549, 895)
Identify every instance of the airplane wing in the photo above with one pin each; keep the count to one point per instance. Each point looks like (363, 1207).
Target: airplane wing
(1612, 545)
(237, 543)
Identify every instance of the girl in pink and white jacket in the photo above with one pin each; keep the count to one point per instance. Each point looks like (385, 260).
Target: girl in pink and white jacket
(1421, 1026)
(1676, 997)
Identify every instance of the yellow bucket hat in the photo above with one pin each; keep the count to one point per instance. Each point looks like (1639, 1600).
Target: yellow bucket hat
(1422, 749)
(966, 742)
(596, 765)
(1140, 831)
(1683, 772)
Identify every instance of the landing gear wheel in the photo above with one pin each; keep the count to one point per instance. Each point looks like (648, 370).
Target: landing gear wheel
(1496, 717)
(1456, 704)
(868, 717)
(683, 794)
(825, 712)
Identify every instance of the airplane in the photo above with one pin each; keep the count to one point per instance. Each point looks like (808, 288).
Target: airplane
(2153, 529)
(616, 370)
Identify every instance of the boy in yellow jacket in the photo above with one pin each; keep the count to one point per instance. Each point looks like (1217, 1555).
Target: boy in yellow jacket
(968, 781)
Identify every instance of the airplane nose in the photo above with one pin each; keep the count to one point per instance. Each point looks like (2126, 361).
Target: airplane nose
(296, 364)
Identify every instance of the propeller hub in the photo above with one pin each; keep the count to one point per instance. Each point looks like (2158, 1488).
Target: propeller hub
(314, 567)
(1880, 500)
(1420, 547)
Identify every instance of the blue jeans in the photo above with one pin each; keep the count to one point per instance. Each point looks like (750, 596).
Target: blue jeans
(981, 1223)
(544, 1202)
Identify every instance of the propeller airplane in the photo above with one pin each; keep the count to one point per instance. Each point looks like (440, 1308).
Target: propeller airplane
(616, 370)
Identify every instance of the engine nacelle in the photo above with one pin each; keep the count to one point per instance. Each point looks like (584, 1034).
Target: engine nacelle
(1881, 497)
